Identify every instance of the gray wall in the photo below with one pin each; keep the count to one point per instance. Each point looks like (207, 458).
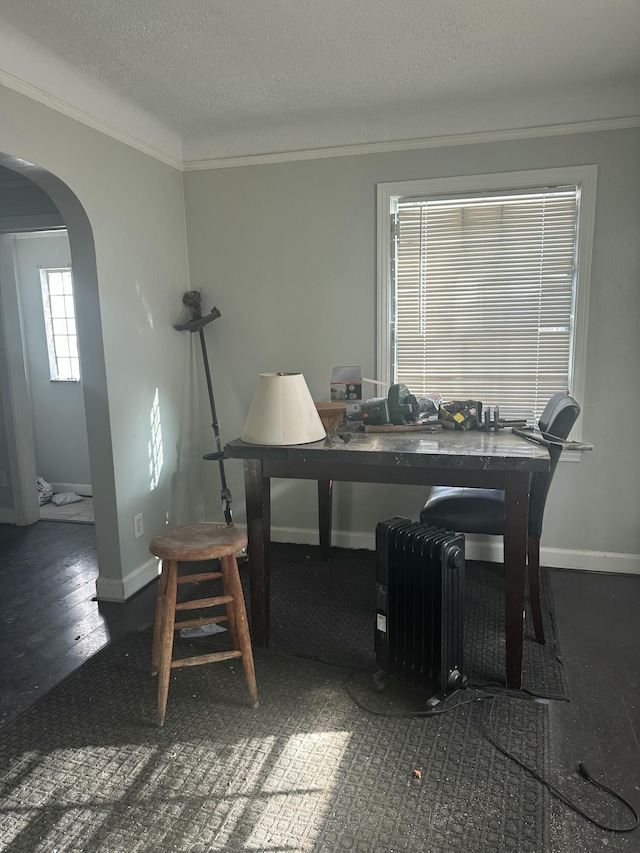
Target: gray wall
(288, 252)
(23, 205)
(62, 451)
(125, 214)
(6, 498)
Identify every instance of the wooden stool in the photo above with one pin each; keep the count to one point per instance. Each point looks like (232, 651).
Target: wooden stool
(187, 544)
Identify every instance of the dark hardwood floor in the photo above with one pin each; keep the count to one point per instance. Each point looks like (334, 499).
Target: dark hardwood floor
(50, 624)
(49, 621)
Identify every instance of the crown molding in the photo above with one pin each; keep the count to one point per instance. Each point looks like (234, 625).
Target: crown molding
(64, 108)
(352, 150)
(413, 144)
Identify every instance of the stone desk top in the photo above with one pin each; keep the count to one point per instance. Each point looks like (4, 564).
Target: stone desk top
(452, 449)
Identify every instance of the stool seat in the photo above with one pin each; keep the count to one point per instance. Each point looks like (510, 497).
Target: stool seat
(194, 543)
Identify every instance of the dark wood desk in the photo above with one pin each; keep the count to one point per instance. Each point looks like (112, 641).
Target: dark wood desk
(451, 458)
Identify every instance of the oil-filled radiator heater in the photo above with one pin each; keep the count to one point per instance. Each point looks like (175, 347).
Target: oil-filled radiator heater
(419, 610)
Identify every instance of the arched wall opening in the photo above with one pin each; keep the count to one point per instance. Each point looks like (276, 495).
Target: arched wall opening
(90, 343)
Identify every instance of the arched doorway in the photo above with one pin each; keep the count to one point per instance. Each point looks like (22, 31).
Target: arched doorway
(20, 440)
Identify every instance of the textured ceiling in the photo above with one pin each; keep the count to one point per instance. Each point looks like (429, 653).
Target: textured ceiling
(247, 76)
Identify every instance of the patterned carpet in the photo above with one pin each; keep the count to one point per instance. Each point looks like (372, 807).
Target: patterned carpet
(326, 610)
(87, 770)
(326, 763)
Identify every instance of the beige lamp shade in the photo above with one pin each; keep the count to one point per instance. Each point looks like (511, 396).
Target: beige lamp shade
(282, 412)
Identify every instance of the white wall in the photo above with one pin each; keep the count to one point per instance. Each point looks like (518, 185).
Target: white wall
(288, 253)
(130, 353)
(62, 450)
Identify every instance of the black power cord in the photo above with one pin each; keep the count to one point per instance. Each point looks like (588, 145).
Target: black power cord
(582, 770)
(431, 712)
(480, 696)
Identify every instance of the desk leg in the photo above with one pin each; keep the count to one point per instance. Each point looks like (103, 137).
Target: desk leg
(258, 499)
(325, 494)
(516, 512)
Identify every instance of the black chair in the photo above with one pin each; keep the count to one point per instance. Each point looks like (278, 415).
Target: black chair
(482, 510)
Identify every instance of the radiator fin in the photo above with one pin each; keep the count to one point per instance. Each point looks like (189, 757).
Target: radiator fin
(419, 605)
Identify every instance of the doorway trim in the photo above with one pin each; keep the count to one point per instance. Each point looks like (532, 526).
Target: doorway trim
(16, 401)
(91, 348)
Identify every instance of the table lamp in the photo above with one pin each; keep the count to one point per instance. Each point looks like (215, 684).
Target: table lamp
(282, 412)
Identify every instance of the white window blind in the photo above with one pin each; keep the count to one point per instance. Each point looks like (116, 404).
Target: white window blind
(484, 296)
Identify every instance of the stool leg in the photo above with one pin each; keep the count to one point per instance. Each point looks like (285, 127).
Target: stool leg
(157, 624)
(232, 585)
(165, 650)
(227, 571)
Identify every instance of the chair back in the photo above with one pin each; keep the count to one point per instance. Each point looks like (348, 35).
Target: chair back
(556, 421)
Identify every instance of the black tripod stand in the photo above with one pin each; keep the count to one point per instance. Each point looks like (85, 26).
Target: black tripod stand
(192, 300)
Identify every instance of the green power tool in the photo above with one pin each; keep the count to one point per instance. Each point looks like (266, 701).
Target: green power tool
(400, 407)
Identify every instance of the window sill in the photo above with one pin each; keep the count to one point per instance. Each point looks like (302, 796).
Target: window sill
(572, 455)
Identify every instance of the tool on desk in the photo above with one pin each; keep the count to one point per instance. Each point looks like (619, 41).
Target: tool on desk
(545, 439)
(495, 422)
(399, 407)
(461, 414)
(402, 410)
(192, 299)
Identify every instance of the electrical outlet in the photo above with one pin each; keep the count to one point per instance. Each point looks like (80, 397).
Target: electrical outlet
(138, 525)
(3, 479)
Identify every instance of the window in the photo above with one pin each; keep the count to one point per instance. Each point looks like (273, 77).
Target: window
(483, 285)
(60, 324)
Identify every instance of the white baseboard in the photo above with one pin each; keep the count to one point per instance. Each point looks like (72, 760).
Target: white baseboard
(591, 561)
(309, 536)
(490, 548)
(121, 589)
(480, 548)
(477, 548)
(83, 489)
